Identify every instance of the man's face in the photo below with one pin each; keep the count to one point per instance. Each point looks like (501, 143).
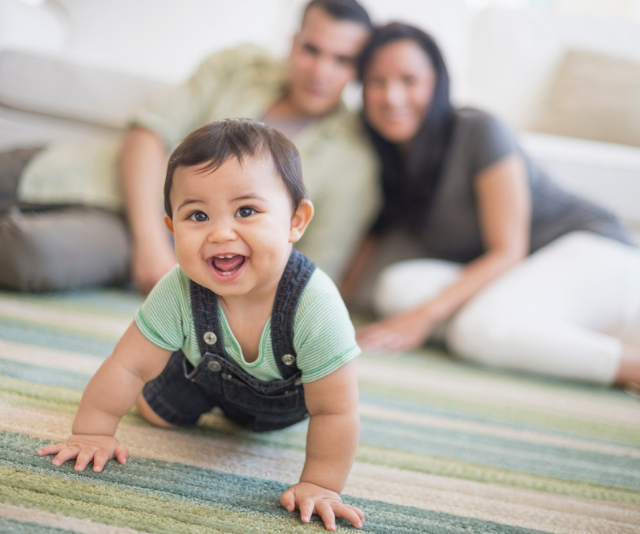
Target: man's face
(323, 60)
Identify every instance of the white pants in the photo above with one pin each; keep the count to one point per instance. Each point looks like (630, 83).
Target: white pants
(561, 312)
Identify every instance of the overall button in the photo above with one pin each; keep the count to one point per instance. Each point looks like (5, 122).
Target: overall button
(210, 338)
(214, 366)
(288, 359)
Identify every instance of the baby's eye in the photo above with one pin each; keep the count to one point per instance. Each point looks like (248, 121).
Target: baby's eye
(245, 211)
(198, 216)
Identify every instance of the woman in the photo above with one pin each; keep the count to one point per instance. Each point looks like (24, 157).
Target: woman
(523, 275)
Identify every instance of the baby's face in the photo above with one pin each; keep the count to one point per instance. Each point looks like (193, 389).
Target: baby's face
(233, 227)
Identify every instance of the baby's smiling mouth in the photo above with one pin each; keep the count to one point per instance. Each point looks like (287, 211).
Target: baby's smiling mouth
(226, 264)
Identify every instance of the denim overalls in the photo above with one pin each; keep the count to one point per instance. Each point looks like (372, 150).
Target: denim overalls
(181, 393)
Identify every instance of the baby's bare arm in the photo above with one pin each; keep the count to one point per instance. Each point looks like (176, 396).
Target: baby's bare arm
(108, 397)
(332, 441)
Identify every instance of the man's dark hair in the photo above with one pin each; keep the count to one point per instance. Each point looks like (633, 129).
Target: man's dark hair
(341, 10)
(216, 142)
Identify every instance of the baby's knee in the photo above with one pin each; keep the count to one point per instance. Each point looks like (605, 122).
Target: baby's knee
(152, 417)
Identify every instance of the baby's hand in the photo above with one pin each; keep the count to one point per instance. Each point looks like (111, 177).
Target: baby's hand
(311, 499)
(86, 448)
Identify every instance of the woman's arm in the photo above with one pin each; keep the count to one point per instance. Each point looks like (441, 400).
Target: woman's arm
(504, 209)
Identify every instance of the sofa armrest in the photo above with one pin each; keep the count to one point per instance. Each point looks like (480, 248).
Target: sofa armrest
(49, 86)
(606, 173)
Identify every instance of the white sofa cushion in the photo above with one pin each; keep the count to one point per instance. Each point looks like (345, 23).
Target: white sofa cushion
(516, 52)
(594, 96)
(41, 84)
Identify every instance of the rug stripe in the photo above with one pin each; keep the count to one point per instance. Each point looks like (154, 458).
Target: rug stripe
(83, 322)
(47, 358)
(389, 416)
(464, 448)
(40, 336)
(142, 483)
(425, 402)
(44, 366)
(446, 377)
(28, 520)
(493, 414)
(492, 502)
(206, 446)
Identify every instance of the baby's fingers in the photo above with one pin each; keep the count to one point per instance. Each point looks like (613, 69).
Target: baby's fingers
(99, 459)
(68, 453)
(51, 449)
(288, 500)
(121, 454)
(354, 515)
(323, 509)
(306, 509)
(84, 457)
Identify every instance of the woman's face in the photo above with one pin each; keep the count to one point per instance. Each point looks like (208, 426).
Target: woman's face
(398, 87)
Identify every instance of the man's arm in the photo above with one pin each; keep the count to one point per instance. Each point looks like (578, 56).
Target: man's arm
(346, 203)
(142, 173)
(332, 441)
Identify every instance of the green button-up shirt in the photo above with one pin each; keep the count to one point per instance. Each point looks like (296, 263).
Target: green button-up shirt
(338, 163)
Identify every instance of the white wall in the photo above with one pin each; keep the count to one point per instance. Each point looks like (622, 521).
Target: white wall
(166, 39)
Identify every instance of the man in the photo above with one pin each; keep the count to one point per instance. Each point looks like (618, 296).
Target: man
(302, 99)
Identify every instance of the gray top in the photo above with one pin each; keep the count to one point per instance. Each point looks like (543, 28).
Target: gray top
(452, 230)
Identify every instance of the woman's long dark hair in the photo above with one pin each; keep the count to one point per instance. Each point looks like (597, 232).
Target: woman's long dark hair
(409, 180)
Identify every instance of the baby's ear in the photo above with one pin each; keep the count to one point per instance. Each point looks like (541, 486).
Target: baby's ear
(168, 222)
(300, 220)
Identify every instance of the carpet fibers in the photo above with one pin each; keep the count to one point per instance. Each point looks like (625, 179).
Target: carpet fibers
(445, 447)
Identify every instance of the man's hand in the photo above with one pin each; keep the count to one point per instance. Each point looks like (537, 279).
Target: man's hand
(313, 499)
(99, 449)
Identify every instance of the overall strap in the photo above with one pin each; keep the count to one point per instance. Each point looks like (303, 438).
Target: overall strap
(204, 304)
(294, 279)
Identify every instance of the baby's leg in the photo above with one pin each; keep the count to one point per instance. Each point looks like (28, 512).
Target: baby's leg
(173, 399)
(145, 411)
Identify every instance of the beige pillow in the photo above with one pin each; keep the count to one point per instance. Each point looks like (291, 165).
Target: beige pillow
(596, 97)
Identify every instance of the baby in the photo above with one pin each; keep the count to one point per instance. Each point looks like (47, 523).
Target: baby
(243, 322)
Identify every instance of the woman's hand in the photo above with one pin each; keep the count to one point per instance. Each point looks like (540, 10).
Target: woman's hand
(99, 449)
(404, 331)
(313, 499)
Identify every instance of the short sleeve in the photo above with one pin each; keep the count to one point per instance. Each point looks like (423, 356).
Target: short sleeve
(160, 318)
(177, 111)
(324, 337)
(493, 140)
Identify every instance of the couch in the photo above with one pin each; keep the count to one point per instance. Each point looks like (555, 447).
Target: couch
(503, 60)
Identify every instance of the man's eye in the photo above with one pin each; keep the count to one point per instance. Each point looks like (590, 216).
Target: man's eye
(198, 216)
(245, 211)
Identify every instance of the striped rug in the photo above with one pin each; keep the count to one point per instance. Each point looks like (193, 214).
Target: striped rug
(445, 447)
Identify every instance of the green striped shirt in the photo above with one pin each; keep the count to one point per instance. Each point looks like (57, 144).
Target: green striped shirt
(323, 336)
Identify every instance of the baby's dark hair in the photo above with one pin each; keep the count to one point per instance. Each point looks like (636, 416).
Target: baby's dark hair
(216, 142)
